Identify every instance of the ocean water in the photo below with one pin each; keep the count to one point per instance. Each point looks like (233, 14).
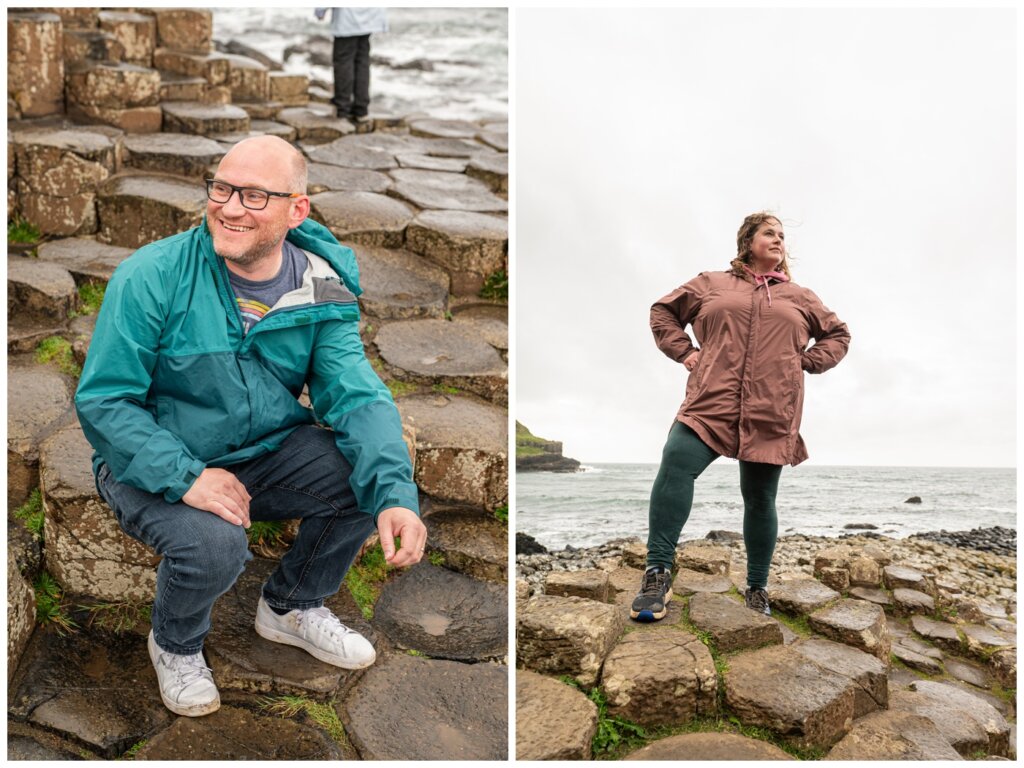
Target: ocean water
(608, 501)
(465, 51)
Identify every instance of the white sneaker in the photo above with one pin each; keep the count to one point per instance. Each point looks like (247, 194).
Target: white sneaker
(318, 632)
(186, 683)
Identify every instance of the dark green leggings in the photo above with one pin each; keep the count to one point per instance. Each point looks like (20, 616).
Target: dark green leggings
(684, 458)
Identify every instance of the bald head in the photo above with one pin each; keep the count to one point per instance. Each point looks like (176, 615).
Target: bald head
(275, 154)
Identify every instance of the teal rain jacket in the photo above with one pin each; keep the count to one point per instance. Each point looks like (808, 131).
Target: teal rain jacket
(172, 385)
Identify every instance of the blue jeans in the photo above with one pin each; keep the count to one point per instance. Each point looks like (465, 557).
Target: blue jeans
(203, 555)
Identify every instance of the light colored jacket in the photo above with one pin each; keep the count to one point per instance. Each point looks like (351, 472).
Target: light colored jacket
(745, 397)
(351, 22)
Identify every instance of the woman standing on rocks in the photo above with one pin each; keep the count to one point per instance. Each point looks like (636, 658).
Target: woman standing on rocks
(744, 397)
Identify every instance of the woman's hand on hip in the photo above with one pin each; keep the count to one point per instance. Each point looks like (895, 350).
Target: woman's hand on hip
(691, 361)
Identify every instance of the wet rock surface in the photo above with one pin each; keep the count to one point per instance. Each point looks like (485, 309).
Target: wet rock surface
(443, 614)
(400, 284)
(539, 736)
(469, 543)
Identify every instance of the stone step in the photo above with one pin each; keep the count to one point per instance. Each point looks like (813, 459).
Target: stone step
(868, 672)
(172, 153)
(257, 127)
(539, 735)
(399, 284)
(87, 259)
(590, 583)
(134, 210)
(128, 119)
(34, 48)
(333, 178)
(781, 689)
(567, 636)
(57, 216)
(668, 660)
(184, 29)
(363, 217)
(689, 582)
(445, 615)
(24, 335)
(243, 661)
(178, 87)
(470, 542)
(116, 85)
(444, 129)
(203, 119)
(248, 79)
(800, 596)
(489, 321)
(732, 625)
(401, 694)
(39, 292)
(857, 623)
(967, 722)
(461, 448)
(357, 152)
(492, 170)
(212, 67)
(315, 124)
(430, 163)
(84, 44)
(496, 139)
(445, 191)
(471, 246)
(21, 608)
(65, 681)
(135, 31)
(893, 735)
(289, 88)
(444, 354)
(709, 746)
(86, 551)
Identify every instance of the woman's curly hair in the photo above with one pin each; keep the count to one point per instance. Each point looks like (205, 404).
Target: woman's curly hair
(745, 236)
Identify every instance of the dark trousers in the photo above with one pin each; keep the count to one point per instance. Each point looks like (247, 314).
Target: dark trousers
(684, 458)
(352, 75)
(203, 555)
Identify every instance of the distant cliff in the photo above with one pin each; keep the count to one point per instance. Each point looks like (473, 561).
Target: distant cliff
(535, 454)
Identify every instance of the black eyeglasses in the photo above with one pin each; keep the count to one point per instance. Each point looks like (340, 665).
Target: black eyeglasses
(253, 198)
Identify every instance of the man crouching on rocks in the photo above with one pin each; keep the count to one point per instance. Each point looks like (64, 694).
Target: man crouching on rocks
(190, 397)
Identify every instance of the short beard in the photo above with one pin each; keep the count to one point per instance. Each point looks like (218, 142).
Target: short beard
(261, 250)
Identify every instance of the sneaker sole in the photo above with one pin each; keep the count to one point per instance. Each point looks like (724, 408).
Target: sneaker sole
(647, 615)
(276, 636)
(196, 710)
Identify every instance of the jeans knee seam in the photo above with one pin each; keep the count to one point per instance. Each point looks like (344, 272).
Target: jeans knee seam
(312, 555)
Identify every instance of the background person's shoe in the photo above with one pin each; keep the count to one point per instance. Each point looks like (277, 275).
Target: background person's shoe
(757, 600)
(186, 683)
(651, 604)
(319, 633)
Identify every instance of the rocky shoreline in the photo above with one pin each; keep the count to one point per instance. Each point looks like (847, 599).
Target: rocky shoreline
(878, 648)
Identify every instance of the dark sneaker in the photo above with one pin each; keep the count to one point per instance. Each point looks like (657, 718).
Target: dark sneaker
(651, 603)
(757, 600)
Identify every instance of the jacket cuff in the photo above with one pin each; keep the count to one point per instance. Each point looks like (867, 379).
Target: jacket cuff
(398, 499)
(178, 489)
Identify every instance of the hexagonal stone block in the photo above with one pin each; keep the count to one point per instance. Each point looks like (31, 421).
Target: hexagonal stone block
(248, 79)
(781, 689)
(39, 290)
(897, 576)
(800, 597)
(910, 601)
(86, 550)
(488, 321)
(355, 152)
(539, 736)
(135, 31)
(63, 162)
(856, 623)
(470, 542)
(867, 671)
(400, 694)
(668, 660)
(444, 129)
(969, 673)
(966, 721)
(893, 735)
(471, 246)
(496, 139)
(982, 641)
(21, 612)
(445, 615)
(835, 578)
(916, 660)
(704, 558)
(333, 178)
(173, 153)
(589, 583)
(204, 119)
(430, 163)
(836, 556)
(315, 124)
(212, 67)
(938, 632)
(176, 87)
(864, 572)
(461, 448)
(688, 582)
(289, 88)
(876, 596)
(709, 746)
(363, 217)
(84, 257)
(492, 170)
(567, 636)
(443, 353)
(35, 66)
(444, 191)
(112, 84)
(399, 284)
(731, 624)
(136, 210)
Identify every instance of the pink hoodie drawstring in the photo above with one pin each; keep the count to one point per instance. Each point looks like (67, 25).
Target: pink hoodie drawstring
(762, 279)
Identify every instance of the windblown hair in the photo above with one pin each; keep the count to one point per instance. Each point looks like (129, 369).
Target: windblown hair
(745, 236)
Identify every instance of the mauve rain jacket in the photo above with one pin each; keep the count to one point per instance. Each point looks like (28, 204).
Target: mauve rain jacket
(745, 397)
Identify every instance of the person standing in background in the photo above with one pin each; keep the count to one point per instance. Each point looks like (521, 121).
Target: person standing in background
(352, 28)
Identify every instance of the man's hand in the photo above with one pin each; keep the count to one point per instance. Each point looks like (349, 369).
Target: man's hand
(691, 361)
(220, 492)
(399, 521)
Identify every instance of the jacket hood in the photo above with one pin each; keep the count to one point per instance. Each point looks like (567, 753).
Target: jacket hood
(315, 237)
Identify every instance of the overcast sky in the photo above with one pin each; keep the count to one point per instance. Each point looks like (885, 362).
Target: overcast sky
(885, 141)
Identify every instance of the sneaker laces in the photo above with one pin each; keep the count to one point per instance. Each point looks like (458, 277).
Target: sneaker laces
(322, 619)
(187, 669)
(653, 583)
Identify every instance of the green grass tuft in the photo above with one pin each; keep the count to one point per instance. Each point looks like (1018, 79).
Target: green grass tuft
(323, 715)
(31, 514)
(90, 297)
(501, 514)
(365, 579)
(436, 558)
(264, 535)
(20, 230)
(56, 350)
(495, 286)
(399, 388)
(133, 750)
(50, 607)
(613, 735)
(118, 617)
(444, 389)
(799, 624)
